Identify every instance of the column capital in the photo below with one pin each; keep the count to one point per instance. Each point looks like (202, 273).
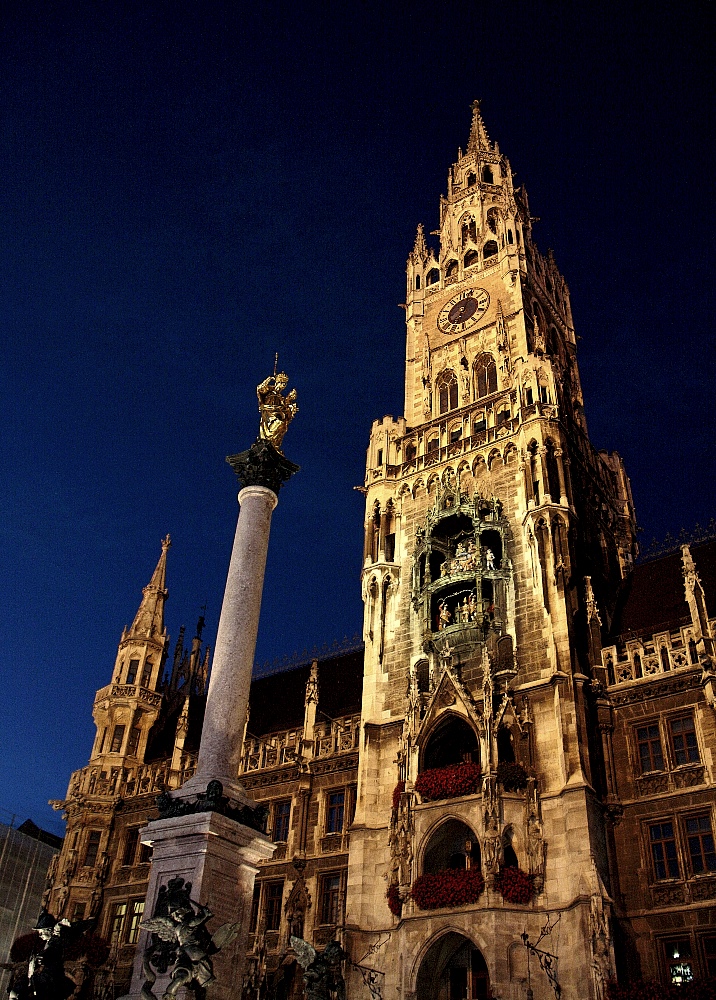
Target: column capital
(263, 492)
(262, 465)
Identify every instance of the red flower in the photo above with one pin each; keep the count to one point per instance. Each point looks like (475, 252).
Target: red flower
(453, 887)
(449, 782)
(514, 885)
(511, 776)
(397, 792)
(395, 904)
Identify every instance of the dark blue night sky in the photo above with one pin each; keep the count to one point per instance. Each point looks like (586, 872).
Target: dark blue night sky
(189, 187)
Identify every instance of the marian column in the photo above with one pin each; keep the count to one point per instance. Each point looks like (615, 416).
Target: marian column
(210, 838)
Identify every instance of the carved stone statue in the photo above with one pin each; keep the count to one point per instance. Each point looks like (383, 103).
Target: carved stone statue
(277, 411)
(180, 938)
(321, 972)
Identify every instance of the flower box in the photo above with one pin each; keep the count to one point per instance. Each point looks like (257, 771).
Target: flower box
(514, 885)
(449, 782)
(452, 887)
(511, 776)
(395, 904)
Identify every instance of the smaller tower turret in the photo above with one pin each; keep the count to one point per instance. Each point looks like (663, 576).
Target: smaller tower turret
(125, 710)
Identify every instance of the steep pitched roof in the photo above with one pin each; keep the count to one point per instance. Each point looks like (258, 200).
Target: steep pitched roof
(652, 597)
(277, 700)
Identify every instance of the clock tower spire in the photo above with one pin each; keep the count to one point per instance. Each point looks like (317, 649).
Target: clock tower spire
(486, 508)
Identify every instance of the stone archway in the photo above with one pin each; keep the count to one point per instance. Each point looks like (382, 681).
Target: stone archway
(452, 969)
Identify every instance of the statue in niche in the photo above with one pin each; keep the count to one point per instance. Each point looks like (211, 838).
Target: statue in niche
(321, 972)
(491, 846)
(276, 411)
(490, 559)
(180, 938)
(444, 616)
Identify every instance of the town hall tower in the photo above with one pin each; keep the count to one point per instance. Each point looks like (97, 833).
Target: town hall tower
(494, 530)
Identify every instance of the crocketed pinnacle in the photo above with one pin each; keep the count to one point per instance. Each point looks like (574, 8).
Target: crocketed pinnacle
(420, 250)
(149, 620)
(479, 138)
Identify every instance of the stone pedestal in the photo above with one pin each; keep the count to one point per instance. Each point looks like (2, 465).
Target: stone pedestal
(220, 857)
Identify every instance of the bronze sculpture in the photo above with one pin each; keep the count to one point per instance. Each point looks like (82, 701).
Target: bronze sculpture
(180, 938)
(277, 411)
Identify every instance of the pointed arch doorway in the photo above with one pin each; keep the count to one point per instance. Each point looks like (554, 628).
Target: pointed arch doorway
(453, 969)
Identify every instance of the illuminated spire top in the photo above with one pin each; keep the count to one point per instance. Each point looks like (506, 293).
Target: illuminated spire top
(149, 620)
(479, 138)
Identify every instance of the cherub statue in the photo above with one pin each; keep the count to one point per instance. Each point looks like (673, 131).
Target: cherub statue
(180, 937)
(276, 411)
(444, 616)
(321, 972)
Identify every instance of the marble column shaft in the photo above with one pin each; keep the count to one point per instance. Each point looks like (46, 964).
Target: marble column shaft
(228, 696)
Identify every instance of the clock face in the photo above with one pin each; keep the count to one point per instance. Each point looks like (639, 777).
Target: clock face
(464, 311)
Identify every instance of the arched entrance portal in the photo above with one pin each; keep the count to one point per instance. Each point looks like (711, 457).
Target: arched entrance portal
(453, 969)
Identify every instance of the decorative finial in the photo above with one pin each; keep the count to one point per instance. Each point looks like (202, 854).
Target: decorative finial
(479, 138)
(419, 253)
(166, 543)
(276, 411)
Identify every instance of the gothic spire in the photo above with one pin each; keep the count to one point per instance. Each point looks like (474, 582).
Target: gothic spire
(420, 251)
(149, 620)
(479, 138)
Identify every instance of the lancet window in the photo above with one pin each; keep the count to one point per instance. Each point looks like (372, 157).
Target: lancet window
(485, 376)
(468, 230)
(447, 392)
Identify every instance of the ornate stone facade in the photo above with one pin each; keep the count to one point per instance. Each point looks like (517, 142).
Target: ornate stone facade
(530, 722)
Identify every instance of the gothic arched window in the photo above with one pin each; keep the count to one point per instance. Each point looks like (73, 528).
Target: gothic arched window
(433, 276)
(471, 257)
(487, 175)
(485, 376)
(468, 230)
(490, 249)
(451, 269)
(447, 392)
(492, 217)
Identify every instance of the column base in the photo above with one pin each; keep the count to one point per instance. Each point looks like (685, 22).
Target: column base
(220, 857)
